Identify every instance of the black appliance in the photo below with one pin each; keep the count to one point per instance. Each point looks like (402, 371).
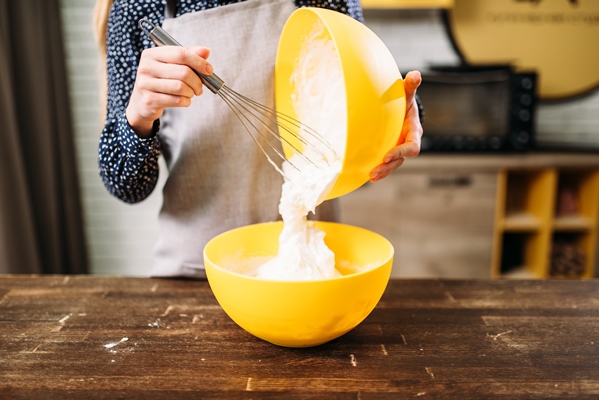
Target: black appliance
(478, 108)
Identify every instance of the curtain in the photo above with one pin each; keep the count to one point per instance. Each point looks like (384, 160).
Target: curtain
(41, 224)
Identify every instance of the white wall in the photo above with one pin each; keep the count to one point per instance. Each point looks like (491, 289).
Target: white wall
(121, 236)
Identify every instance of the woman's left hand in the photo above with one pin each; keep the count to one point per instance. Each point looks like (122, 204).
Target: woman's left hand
(411, 132)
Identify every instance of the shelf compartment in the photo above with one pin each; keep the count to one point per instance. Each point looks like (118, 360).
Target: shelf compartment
(530, 192)
(578, 194)
(523, 254)
(569, 256)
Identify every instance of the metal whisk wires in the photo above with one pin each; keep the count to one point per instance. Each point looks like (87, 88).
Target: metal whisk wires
(261, 122)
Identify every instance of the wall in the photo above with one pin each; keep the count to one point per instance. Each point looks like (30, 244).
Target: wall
(121, 236)
(417, 39)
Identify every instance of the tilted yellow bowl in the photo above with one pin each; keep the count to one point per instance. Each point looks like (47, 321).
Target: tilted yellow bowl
(299, 313)
(375, 95)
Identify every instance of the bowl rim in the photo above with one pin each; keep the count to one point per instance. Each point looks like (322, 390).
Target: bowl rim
(382, 264)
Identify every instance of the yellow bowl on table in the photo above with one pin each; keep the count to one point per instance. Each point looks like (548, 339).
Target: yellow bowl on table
(374, 91)
(299, 313)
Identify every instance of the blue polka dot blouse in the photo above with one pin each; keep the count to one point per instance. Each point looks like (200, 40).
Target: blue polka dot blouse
(129, 165)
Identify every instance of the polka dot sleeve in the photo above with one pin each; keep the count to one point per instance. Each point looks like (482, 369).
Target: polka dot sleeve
(128, 165)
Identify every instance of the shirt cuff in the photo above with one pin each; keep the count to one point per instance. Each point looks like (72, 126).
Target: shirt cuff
(134, 146)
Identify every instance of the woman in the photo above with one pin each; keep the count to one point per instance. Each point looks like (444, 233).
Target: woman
(218, 178)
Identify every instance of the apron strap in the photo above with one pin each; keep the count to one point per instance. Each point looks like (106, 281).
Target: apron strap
(171, 9)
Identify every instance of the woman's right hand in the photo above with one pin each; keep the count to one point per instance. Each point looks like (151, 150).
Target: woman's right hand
(165, 78)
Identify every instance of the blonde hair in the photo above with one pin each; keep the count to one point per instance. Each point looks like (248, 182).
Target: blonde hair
(100, 21)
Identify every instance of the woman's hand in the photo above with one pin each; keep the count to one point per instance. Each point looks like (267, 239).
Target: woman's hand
(165, 78)
(411, 132)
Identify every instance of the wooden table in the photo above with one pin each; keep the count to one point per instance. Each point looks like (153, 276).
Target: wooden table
(108, 337)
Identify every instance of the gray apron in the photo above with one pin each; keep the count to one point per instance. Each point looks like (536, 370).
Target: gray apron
(218, 177)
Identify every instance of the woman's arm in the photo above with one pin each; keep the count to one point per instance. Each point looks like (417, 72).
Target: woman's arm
(128, 164)
(142, 83)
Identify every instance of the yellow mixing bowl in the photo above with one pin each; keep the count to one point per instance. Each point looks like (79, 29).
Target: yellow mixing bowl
(375, 95)
(299, 313)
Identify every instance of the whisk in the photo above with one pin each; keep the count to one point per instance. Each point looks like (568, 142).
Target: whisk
(259, 120)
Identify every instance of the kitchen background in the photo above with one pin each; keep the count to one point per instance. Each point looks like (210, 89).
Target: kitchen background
(120, 236)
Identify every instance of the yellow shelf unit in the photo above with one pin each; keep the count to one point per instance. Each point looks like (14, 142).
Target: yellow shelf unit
(546, 223)
(414, 4)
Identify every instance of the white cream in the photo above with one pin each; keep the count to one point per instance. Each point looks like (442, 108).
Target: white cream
(320, 104)
(303, 255)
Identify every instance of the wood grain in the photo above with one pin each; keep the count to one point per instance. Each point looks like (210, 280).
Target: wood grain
(108, 337)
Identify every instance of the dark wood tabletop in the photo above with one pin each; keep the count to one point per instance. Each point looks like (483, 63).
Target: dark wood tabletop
(109, 337)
